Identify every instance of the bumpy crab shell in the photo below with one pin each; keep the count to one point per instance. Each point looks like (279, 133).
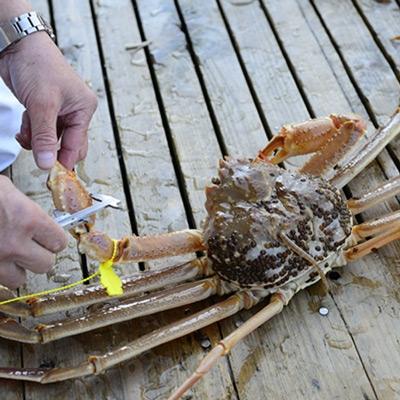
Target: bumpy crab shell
(252, 204)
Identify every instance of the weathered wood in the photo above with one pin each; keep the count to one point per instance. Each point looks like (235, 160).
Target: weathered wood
(383, 19)
(144, 155)
(267, 68)
(155, 196)
(367, 63)
(230, 97)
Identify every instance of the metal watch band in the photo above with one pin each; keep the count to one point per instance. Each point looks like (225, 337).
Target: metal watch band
(19, 27)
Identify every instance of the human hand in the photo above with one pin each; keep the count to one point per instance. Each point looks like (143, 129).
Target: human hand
(58, 103)
(29, 237)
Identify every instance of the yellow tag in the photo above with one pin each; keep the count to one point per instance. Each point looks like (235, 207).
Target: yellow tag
(109, 279)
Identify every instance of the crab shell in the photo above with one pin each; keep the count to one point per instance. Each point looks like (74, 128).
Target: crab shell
(251, 204)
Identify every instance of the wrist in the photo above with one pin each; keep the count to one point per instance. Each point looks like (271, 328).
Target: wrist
(31, 44)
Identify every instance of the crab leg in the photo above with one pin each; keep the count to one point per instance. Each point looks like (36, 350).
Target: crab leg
(99, 246)
(368, 152)
(127, 310)
(147, 281)
(97, 364)
(130, 309)
(381, 193)
(329, 137)
(379, 225)
(362, 249)
(13, 330)
(225, 345)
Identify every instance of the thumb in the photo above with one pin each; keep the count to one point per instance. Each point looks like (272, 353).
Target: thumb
(44, 136)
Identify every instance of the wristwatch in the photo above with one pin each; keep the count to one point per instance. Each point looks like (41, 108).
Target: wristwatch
(17, 28)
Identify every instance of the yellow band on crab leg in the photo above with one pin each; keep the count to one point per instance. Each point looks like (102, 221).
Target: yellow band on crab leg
(108, 278)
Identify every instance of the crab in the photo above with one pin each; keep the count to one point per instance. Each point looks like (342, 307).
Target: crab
(269, 233)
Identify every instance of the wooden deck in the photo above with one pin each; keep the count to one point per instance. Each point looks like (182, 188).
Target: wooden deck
(219, 77)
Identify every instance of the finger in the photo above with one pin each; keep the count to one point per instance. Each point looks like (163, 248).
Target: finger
(73, 143)
(24, 137)
(50, 235)
(11, 275)
(35, 258)
(74, 140)
(43, 122)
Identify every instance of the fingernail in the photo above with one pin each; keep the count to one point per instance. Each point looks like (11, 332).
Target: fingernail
(45, 159)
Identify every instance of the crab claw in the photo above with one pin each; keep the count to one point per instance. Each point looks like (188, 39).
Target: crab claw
(313, 136)
(69, 194)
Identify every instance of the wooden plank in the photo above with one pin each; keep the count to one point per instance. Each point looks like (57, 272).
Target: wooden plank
(156, 197)
(359, 313)
(183, 100)
(152, 177)
(368, 66)
(230, 97)
(383, 19)
(76, 38)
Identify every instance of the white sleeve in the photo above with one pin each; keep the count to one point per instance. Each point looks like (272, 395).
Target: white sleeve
(10, 122)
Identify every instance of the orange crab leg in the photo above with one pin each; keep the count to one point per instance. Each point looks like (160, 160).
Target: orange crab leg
(97, 364)
(377, 195)
(367, 153)
(225, 345)
(99, 246)
(330, 137)
(130, 309)
(377, 226)
(362, 249)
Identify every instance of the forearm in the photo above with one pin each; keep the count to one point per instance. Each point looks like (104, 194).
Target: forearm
(58, 103)
(13, 8)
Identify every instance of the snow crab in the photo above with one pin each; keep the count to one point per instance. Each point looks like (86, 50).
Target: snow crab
(269, 234)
